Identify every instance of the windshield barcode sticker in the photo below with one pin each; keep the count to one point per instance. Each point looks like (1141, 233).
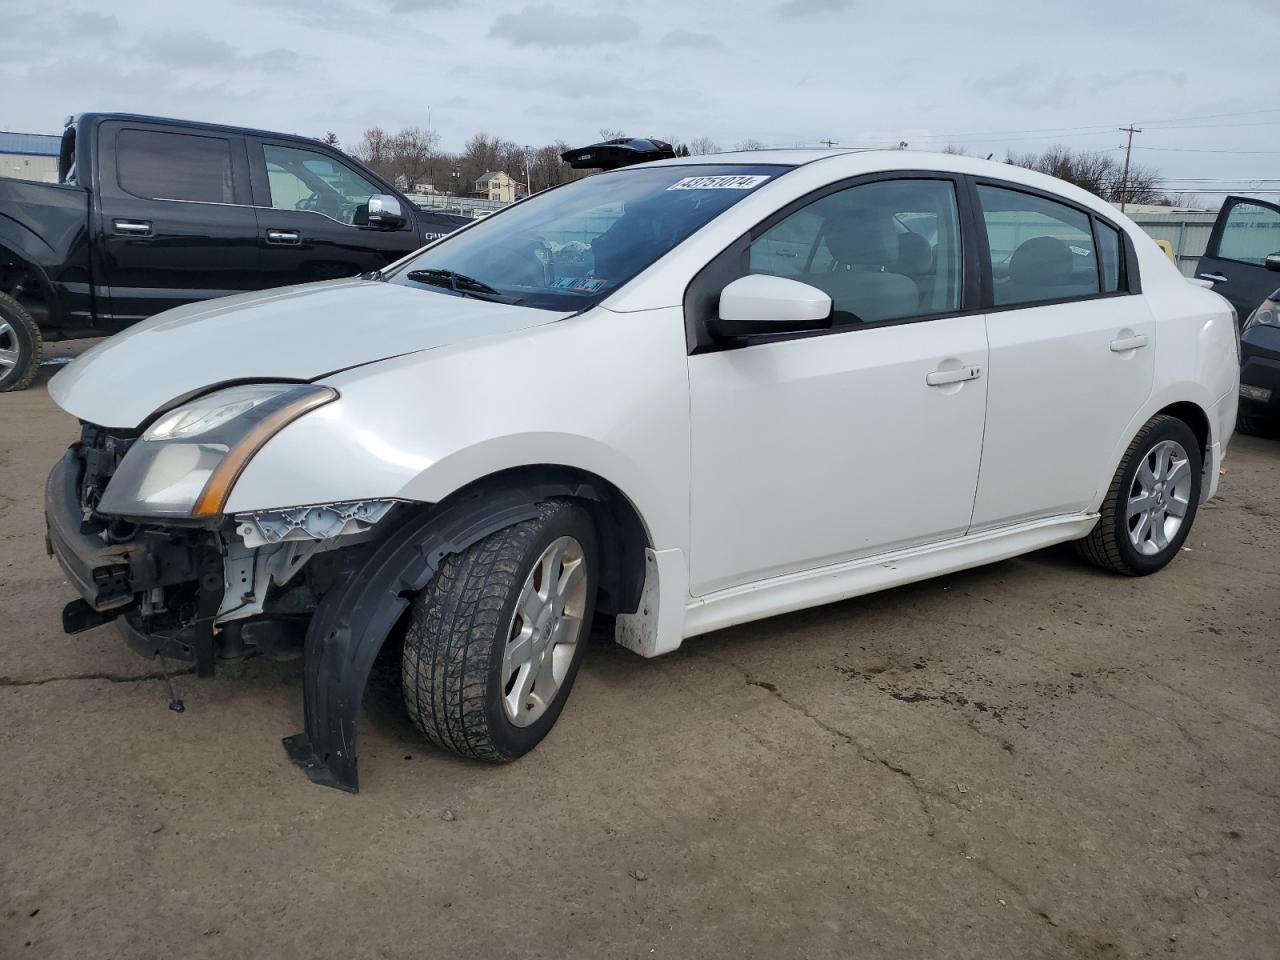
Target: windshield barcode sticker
(738, 182)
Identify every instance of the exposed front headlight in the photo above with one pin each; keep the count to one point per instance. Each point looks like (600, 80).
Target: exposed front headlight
(185, 464)
(1267, 315)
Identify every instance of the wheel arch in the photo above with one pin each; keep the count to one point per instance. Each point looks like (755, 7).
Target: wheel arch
(356, 616)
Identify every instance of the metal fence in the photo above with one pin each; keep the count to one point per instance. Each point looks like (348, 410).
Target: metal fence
(1187, 232)
(464, 206)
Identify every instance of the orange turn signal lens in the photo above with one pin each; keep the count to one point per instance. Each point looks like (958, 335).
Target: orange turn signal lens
(218, 487)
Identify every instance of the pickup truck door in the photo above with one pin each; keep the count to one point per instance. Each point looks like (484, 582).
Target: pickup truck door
(1246, 232)
(312, 212)
(174, 217)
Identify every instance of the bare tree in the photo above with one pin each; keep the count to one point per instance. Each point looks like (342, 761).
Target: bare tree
(1095, 171)
(412, 152)
(701, 146)
(375, 151)
(330, 138)
(608, 133)
(751, 143)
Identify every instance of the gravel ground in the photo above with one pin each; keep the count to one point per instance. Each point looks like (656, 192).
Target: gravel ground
(1033, 759)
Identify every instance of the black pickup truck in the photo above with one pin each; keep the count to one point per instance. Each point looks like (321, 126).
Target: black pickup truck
(152, 213)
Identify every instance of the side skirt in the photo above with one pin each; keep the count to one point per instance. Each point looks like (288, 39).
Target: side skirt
(853, 578)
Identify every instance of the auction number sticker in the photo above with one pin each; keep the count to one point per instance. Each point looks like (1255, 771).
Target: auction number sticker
(732, 182)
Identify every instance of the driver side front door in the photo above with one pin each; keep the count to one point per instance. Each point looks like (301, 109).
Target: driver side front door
(309, 206)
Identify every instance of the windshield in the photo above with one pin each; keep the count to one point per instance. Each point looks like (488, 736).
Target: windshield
(571, 247)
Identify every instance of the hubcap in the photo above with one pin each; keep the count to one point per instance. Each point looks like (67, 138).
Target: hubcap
(545, 630)
(1159, 497)
(8, 347)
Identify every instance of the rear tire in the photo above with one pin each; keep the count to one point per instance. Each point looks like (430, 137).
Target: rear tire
(1151, 503)
(21, 345)
(496, 638)
(1255, 426)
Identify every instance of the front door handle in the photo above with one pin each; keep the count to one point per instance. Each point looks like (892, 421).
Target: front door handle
(940, 378)
(133, 228)
(1128, 343)
(1213, 277)
(283, 236)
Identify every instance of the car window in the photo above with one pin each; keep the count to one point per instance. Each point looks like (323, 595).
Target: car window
(1109, 256)
(1040, 249)
(1250, 234)
(567, 248)
(882, 251)
(174, 166)
(306, 180)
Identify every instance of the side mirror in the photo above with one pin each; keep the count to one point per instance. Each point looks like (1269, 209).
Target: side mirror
(762, 304)
(1273, 262)
(385, 212)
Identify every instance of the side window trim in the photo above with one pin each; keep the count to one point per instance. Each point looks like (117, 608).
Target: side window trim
(1130, 283)
(699, 340)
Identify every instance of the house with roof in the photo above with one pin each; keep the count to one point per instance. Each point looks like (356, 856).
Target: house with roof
(500, 186)
(29, 156)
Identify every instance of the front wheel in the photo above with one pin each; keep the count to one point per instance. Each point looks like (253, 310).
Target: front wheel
(495, 639)
(1151, 503)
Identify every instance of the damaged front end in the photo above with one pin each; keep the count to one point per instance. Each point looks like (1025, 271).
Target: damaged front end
(195, 589)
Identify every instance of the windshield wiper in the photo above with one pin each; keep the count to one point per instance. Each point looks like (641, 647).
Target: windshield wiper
(461, 284)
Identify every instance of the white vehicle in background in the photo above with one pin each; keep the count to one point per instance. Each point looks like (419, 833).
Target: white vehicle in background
(760, 381)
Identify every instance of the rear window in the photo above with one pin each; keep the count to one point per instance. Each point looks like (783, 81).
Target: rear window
(1250, 234)
(174, 166)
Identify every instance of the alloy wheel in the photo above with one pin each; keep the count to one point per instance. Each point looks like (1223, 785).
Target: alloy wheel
(10, 348)
(545, 631)
(1159, 498)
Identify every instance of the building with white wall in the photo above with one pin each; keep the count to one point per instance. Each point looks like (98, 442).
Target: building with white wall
(29, 156)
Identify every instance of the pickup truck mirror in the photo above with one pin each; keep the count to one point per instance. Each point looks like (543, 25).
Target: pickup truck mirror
(1273, 262)
(760, 304)
(385, 212)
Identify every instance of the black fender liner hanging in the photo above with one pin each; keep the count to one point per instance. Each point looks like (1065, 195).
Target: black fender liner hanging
(356, 615)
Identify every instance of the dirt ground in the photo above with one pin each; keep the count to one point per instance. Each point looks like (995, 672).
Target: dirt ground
(1033, 759)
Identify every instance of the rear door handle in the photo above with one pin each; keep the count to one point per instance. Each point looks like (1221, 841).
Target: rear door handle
(1213, 277)
(133, 228)
(283, 236)
(1128, 343)
(940, 378)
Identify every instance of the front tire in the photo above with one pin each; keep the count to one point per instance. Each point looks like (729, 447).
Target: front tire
(1151, 503)
(496, 638)
(20, 345)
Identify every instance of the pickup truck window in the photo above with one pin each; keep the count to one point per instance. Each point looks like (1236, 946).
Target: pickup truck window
(305, 180)
(1251, 233)
(174, 166)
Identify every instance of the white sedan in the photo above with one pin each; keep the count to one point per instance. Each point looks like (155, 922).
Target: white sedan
(666, 399)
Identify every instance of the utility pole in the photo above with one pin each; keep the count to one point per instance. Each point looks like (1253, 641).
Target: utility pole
(1124, 178)
(829, 142)
(528, 176)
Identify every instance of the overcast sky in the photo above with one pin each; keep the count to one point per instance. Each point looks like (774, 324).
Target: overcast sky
(989, 74)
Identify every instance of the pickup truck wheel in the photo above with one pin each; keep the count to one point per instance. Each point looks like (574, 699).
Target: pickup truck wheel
(20, 345)
(1151, 503)
(495, 639)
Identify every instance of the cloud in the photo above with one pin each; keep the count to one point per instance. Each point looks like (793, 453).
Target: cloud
(543, 25)
(803, 8)
(693, 41)
(419, 6)
(195, 51)
(89, 23)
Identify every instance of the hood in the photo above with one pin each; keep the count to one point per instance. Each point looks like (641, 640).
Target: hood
(290, 333)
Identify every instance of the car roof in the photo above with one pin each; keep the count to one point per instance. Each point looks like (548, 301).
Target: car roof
(846, 163)
(174, 121)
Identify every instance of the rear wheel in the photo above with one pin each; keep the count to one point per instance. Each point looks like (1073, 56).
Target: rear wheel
(495, 640)
(1151, 502)
(20, 345)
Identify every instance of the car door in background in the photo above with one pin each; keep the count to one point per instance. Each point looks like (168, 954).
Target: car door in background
(1246, 232)
(313, 217)
(814, 449)
(1072, 355)
(175, 218)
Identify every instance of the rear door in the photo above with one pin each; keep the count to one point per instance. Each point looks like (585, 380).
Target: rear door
(313, 211)
(1246, 232)
(1072, 354)
(174, 218)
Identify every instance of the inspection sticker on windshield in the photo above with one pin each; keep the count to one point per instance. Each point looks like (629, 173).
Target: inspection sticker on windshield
(738, 182)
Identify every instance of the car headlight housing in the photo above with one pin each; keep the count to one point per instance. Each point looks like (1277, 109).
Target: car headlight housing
(1267, 314)
(187, 461)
